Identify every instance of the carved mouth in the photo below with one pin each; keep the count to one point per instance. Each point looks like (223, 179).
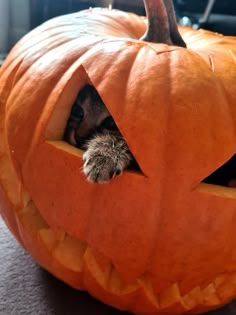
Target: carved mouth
(222, 182)
(225, 175)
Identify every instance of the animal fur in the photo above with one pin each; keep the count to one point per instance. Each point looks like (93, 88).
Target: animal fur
(91, 127)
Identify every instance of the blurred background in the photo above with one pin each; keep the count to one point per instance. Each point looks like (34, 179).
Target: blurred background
(17, 17)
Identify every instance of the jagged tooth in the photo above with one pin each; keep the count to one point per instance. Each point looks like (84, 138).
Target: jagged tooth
(137, 296)
(149, 292)
(101, 275)
(24, 196)
(70, 253)
(47, 237)
(67, 250)
(210, 299)
(60, 235)
(30, 219)
(118, 286)
(107, 276)
(170, 299)
(9, 181)
(226, 286)
(210, 296)
(149, 301)
(193, 298)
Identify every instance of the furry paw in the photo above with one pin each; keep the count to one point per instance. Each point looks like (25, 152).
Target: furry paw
(106, 155)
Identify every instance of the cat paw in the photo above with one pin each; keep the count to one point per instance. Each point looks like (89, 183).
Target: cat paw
(106, 155)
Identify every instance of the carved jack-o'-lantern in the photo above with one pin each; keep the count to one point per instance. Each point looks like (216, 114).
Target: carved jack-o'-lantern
(162, 240)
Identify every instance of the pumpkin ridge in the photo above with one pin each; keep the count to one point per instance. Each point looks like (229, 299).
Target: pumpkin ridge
(21, 72)
(10, 80)
(28, 48)
(120, 23)
(102, 24)
(47, 28)
(35, 57)
(124, 19)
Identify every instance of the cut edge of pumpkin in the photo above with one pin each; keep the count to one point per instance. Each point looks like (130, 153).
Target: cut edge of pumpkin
(216, 190)
(66, 147)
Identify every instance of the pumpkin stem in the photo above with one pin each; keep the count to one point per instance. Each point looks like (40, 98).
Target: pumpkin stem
(162, 25)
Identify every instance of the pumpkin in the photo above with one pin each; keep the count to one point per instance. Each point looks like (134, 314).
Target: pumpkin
(157, 241)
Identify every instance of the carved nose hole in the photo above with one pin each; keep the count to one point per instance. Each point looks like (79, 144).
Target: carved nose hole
(221, 182)
(90, 117)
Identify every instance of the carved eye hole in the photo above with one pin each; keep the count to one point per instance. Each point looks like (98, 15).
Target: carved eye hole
(89, 117)
(222, 182)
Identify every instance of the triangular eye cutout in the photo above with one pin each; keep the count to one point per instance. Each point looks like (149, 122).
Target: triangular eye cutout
(90, 121)
(225, 175)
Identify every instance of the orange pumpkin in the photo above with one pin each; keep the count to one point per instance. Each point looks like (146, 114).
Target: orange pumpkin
(161, 241)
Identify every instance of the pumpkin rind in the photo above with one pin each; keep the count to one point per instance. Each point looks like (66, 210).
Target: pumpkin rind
(160, 242)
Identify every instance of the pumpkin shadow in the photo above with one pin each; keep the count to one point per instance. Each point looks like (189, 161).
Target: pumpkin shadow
(65, 300)
(68, 301)
(229, 309)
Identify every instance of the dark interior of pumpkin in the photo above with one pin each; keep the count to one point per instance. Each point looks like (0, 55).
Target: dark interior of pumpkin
(90, 117)
(225, 175)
